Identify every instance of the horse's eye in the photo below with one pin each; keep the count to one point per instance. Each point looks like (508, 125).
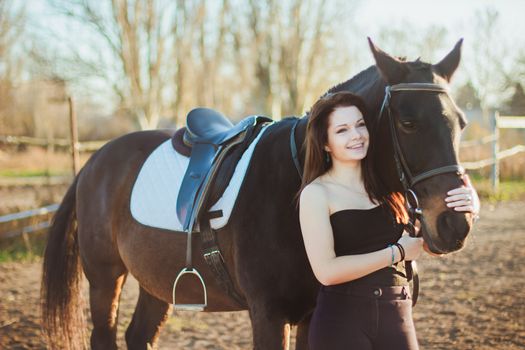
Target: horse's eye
(408, 125)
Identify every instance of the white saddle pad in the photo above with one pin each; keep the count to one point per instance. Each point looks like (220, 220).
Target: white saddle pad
(154, 195)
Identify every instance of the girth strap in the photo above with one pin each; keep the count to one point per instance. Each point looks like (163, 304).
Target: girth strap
(215, 260)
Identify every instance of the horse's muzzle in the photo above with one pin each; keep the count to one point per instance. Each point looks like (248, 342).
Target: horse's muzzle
(452, 228)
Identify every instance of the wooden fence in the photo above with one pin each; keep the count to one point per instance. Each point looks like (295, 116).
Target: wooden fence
(498, 122)
(37, 219)
(86, 146)
(73, 147)
(26, 222)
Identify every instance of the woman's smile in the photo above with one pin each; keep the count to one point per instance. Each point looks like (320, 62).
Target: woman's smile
(358, 147)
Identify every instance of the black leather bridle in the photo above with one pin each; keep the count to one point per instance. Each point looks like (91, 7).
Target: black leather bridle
(407, 179)
(405, 175)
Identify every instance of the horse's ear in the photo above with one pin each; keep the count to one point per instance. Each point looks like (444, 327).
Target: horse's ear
(392, 70)
(449, 64)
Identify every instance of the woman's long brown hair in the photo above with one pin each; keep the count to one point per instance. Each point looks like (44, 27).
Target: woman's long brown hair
(316, 163)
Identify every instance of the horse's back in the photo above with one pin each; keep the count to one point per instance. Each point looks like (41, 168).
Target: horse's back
(104, 188)
(122, 155)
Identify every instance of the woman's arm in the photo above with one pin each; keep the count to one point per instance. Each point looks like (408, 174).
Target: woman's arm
(318, 239)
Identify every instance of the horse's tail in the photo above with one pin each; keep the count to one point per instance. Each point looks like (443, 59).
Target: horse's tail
(60, 294)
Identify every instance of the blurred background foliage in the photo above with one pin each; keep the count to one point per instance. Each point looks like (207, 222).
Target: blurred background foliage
(143, 64)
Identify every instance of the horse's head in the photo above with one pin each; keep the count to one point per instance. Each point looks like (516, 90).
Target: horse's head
(423, 120)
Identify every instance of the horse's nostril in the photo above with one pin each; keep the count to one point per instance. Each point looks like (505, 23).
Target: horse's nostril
(452, 227)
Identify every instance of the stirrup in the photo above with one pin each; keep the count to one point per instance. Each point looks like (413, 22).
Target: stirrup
(189, 307)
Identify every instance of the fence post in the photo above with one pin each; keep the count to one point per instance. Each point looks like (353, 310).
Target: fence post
(74, 136)
(495, 151)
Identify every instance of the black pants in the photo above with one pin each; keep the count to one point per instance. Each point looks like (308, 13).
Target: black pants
(363, 318)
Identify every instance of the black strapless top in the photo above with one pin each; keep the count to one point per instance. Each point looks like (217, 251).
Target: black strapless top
(359, 231)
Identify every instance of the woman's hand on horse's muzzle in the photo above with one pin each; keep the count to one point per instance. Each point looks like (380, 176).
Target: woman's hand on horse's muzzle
(464, 198)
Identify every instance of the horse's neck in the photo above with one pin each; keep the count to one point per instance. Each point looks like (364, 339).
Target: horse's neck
(369, 85)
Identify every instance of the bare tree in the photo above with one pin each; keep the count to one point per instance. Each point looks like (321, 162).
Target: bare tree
(412, 42)
(133, 32)
(293, 43)
(486, 68)
(12, 21)
(299, 53)
(517, 73)
(164, 57)
(200, 52)
(12, 27)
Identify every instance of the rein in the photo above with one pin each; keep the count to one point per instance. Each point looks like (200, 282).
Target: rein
(293, 149)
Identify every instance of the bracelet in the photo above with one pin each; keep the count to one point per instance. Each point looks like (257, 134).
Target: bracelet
(391, 246)
(401, 250)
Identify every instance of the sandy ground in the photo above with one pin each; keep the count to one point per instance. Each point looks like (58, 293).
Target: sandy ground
(473, 299)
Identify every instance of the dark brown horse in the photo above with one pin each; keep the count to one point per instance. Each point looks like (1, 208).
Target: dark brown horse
(94, 232)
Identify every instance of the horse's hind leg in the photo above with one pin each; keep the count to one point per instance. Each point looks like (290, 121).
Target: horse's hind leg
(148, 318)
(104, 295)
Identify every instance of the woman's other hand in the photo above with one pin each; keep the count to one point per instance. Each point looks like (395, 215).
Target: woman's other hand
(413, 246)
(464, 198)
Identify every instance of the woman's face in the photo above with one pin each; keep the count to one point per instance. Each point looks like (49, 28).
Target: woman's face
(347, 134)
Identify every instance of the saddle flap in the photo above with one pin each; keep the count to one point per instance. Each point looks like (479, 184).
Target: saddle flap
(201, 160)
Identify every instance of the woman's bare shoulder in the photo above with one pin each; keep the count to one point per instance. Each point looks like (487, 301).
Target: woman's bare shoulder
(314, 192)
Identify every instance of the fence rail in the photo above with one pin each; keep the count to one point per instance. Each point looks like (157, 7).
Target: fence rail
(478, 142)
(490, 161)
(85, 146)
(25, 222)
(35, 181)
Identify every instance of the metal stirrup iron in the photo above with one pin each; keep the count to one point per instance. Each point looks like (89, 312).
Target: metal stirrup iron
(189, 307)
(189, 269)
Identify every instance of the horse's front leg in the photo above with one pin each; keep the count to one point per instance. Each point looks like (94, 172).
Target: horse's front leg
(270, 329)
(301, 339)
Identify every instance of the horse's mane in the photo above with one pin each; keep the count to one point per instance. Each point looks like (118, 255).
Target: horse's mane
(355, 84)
(369, 84)
(371, 74)
(420, 65)
(349, 85)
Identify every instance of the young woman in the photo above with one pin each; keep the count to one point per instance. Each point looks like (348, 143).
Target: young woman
(364, 301)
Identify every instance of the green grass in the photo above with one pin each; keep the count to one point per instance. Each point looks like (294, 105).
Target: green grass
(15, 249)
(31, 173)
(508, 189)
(18, 256)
